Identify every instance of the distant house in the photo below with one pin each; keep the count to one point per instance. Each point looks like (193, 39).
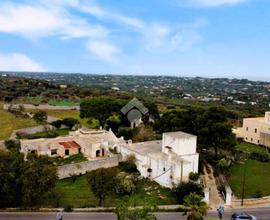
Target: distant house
(256, 130)
(168, 161)
(134, 111)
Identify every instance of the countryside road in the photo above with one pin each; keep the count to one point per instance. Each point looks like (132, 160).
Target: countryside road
(261, 214)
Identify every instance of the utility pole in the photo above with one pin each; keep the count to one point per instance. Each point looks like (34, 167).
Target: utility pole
(243, 183)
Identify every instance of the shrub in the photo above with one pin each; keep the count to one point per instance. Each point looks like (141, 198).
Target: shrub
(70, 122)
(13, 144)
(57, 123)
(68, 208)
(129, 165)
(262, 157)
(185, 188)
(193, 176)
(124, 184)
(40, 116)
(257, 194)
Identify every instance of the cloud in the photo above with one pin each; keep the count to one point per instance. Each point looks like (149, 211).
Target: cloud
(19, 62)
(103, 50)
(210, 3)
(35, 21)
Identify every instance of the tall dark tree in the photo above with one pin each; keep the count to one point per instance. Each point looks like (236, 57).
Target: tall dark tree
(100, 108)
(24, 183)
(39, 176)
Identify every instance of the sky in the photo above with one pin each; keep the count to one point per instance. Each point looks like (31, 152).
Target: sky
(208, 38)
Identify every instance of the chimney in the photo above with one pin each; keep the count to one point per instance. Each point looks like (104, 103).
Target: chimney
(267, 117)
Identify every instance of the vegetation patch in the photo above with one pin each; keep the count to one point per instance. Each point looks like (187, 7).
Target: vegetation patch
(10, 122)
(47, 134)
(257, 178)
(78, 194)
(77, 158)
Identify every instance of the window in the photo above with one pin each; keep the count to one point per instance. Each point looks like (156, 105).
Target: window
(246, 128)
(251, 139)
(54, 152)
(258, 141)
(66, 152)
(164, 169)
(79, 150)
(246, 138)
(255, 130)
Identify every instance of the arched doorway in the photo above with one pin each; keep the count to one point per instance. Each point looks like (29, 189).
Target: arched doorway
(103, 152)
(98, 153)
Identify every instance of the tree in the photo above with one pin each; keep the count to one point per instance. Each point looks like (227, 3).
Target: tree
(24, 182)
(185, 188)
(39, 176)
(101, 182)
(124, 184)
(215, 130)
(211, 125)
(100, 108)
(124, 212)
(40, 116)
(197, 208)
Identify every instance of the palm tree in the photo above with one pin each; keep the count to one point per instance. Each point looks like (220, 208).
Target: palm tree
(196, 208)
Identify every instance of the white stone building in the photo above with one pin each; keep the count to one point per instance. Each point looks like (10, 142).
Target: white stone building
(167, 162)
(91, 143)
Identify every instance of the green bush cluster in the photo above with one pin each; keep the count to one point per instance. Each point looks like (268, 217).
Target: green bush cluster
(262, 157)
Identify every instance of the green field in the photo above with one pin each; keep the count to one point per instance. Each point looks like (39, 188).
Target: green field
(257, 178)
(8, 123)
(46, 134)
(64, 102)
(249, 148)
(78, 194)
(70, 113)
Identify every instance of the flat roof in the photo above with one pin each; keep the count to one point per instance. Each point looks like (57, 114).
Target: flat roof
(179, 134)
(153, 149)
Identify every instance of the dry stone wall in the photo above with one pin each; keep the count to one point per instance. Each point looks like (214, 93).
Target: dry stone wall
(81, 168)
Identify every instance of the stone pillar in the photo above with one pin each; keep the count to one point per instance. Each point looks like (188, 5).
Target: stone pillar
(206, 195)
(228, 196)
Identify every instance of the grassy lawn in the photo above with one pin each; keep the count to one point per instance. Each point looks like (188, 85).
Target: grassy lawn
(64, 102)
(70, 113)
(50, 134)
(78, 194)
(8, 123)
(248, 148)
(257, 178)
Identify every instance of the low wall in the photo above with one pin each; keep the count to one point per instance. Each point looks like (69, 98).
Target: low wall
(43, 107)
(32, 130)
(81, 168)
(258, 202)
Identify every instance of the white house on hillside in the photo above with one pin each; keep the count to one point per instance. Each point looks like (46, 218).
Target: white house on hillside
(167, 162)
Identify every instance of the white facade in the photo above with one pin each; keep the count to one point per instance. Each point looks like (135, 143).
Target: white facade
(168, 162)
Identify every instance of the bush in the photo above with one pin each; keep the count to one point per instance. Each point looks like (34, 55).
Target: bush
(124, 184)
(68, 208)
(257, 194)
(193, 176)
(185, 188)
(129, 165)
(262, 157)
(57, 123)
(70, 122)
(40, 116)
(13, 144)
